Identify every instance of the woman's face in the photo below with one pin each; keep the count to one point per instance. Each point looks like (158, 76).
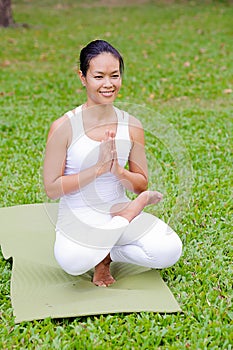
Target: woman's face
(103, 79)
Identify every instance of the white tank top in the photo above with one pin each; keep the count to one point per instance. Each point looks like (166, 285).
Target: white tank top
(83, 153)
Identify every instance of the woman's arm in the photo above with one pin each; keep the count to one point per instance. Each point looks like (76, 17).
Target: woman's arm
(55, 182)
(136, 178)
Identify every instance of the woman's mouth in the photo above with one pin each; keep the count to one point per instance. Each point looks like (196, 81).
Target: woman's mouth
(107, 93)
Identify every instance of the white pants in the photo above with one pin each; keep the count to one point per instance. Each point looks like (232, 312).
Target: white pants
(158, 247)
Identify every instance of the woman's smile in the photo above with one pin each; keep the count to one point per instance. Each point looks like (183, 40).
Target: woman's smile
(108, 93)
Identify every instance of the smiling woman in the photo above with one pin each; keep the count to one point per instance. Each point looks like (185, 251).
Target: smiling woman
(102, 80)
(86, 154)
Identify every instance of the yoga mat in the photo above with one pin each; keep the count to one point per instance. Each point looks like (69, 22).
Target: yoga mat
(40, 288)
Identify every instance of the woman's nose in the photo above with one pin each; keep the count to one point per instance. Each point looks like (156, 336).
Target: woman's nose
(107, 82)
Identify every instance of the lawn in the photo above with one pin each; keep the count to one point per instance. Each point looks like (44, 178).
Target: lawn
(179, 82)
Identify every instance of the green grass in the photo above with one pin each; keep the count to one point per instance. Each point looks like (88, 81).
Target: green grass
(178, 81)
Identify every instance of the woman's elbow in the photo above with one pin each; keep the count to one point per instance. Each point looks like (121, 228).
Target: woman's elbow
(50, 193)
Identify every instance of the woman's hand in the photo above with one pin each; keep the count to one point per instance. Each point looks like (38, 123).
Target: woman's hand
(108, 161)
(116, 169)
(106, 153)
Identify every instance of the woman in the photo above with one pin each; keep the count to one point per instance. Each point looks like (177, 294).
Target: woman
(84, 166)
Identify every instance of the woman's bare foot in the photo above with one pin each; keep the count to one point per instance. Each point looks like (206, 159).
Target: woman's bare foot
(153, 197)
(102, 276)
(132, 209)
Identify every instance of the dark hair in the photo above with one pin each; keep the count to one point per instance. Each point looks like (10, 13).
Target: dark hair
(95, 48)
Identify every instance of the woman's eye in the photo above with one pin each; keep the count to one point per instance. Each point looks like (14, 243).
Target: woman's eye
(115, 76)
(98, 77)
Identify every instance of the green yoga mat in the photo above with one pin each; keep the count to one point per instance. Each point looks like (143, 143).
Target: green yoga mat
(40, 289)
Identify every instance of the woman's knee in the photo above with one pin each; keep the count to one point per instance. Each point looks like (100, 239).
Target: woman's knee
(72, 258)
(72, 264)
(172, 252)
(163, 250)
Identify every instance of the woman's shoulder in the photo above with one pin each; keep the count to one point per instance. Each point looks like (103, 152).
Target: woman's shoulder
(60, 123)
(63, 121)
(133, 121)
(61, 126)
(136, 130)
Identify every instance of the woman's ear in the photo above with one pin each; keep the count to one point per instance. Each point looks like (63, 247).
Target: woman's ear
(82, 78)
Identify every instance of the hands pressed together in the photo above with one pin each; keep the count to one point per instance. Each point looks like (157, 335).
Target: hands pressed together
(107, 161)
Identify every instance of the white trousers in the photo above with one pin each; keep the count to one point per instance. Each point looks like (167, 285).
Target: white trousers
(158, 247)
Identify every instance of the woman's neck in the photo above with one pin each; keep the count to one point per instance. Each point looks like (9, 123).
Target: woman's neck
(102, 112)
(97, 119)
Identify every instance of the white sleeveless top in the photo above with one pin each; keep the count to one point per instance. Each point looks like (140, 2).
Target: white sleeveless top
(83, 153)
